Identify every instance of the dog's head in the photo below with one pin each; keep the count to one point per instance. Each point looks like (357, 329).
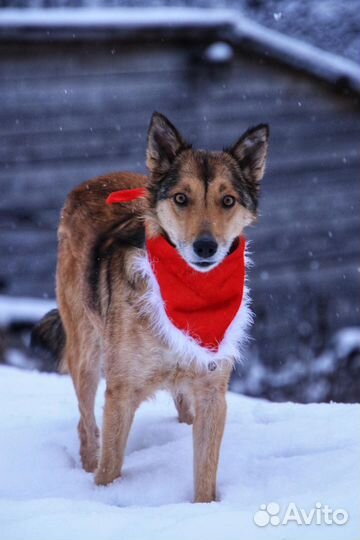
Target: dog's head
(202, 201)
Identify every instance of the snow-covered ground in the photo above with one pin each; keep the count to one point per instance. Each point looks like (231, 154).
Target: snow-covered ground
(281, 453)
(23, 310)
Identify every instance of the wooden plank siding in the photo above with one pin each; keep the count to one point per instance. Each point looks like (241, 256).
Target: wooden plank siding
(70, 111)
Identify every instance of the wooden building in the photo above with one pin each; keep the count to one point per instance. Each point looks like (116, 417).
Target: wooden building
(76, 100)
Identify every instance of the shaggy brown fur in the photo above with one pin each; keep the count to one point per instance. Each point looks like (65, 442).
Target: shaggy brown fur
(97, 291)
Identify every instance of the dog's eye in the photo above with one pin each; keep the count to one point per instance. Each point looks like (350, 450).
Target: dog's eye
(180, 199)
(228, 201)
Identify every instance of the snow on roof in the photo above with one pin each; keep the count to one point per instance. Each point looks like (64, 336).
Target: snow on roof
(116, 17)
(236, 28)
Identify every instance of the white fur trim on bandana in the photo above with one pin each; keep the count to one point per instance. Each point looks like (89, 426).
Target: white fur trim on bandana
(184, 346)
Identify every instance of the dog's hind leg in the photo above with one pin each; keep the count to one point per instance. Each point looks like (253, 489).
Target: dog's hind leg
(81, 355)
(88, 430)
(183, 407)
(83, 359)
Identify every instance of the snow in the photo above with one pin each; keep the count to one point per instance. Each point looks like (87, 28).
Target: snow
(22, 309)
(330, 24)
(125, 17)
(346, 341)
(219, 52)
(327, 65)
(282, 453)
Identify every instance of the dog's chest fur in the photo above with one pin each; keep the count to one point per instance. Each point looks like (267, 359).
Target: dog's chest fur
(154, 335)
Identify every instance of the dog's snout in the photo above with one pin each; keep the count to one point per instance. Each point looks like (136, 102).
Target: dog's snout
(205, 247)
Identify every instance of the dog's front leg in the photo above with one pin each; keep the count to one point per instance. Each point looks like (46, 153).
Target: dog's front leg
(208, 429)
(119, 413)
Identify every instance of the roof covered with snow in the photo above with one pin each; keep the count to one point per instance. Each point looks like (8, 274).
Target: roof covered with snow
(331, 25)
(169, 22)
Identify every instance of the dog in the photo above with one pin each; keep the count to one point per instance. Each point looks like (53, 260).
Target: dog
(111, 315)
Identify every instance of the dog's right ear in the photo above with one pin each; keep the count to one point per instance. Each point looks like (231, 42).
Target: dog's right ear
(164, 143)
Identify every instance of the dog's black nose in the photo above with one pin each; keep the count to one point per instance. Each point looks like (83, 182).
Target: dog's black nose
(205, 247)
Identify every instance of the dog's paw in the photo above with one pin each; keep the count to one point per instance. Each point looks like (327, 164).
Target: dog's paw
(89, 462)
(204, 498)
(103, 476)
(186, 418)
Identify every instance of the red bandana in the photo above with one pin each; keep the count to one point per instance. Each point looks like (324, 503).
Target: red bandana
(201, 304)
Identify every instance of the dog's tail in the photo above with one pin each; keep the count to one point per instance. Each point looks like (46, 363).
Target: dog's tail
(48, 340)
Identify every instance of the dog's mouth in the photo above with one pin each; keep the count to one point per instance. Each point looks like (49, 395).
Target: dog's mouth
(203, 264)
(208, 264)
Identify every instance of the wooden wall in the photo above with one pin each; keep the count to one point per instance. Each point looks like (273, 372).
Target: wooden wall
(70, 111)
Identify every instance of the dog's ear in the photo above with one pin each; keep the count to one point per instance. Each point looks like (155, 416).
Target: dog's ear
(250, 151)
(164, 143)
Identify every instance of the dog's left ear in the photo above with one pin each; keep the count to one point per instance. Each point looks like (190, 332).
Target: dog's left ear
(164, 143)
(250, 151)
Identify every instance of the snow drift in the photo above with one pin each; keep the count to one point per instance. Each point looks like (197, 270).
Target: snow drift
(283, 453)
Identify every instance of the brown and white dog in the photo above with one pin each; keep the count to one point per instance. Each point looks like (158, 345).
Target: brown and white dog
(110, 315)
